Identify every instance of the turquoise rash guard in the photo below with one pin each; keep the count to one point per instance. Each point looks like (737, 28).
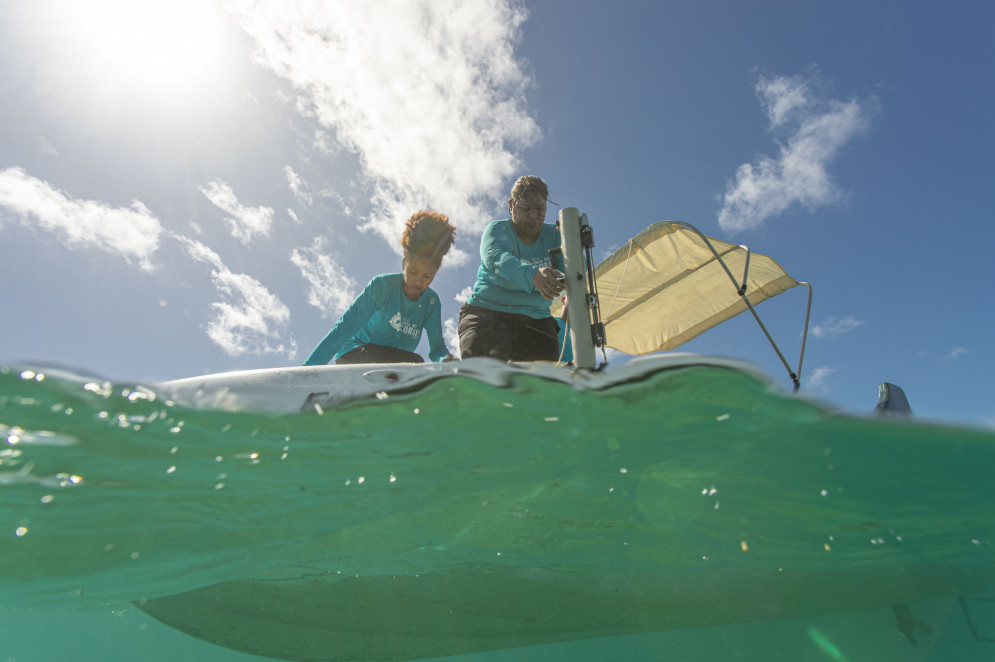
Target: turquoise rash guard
(507, 266)
(384, 315)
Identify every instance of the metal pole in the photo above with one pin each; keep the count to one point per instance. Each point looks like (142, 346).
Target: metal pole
(574, 270)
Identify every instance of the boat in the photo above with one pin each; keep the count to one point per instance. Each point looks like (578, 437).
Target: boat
(664, 287)
(469, 610)
(505, 566)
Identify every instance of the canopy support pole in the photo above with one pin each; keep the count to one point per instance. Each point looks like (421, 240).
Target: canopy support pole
(741, 290)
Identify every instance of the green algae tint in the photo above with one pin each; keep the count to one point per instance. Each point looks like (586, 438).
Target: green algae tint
(694, 511)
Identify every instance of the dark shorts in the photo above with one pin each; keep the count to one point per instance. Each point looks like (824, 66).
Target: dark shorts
(507, 336)
(370, 353)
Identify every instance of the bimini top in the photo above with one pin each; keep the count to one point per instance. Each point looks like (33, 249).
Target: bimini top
(671, 283)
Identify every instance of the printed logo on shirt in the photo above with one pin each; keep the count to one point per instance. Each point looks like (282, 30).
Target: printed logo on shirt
(538, 261)
(403, 325)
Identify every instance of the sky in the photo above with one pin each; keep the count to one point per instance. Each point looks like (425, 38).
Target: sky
(197, 186)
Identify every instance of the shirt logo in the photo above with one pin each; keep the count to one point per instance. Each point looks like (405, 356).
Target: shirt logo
(403, 325)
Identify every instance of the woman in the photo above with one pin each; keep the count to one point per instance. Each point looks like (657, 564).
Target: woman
(384, 324)
(507, 316)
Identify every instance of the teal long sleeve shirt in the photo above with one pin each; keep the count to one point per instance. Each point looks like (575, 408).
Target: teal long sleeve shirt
(383, 315)
(507, 267)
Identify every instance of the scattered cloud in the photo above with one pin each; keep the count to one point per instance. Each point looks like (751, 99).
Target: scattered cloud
(47, 147)
(244, 222)
(337, 197)
(297, 185)
(450, 333)
(836, 326)
(818, 379)
(249, 319)
(456, 257)
(132, 233)
(428, 94)
(815, 130)
(464, 294)
(331, 288)
(955, 352)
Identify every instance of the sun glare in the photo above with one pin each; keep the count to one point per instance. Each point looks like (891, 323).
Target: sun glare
(162, 52)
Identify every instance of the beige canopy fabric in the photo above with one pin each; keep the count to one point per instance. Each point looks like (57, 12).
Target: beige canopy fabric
(665, 287)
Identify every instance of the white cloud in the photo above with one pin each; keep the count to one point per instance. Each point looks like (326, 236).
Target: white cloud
(249, 319)
(331, 289)
(456, 257)
(427, 93)
(337, 197)
(818, 379)
(816, 129)
(450, 333)
(955, 352)
(464, 294)
(835, 326)
(244, 222)
(782, 97)
(132, 233)
(297, 185)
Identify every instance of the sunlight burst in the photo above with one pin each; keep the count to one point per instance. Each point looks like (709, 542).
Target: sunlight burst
(163, 52)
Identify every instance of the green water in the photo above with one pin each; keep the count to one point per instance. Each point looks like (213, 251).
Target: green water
(110, 495)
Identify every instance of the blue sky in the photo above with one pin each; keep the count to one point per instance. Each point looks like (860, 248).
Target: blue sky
(190, 187)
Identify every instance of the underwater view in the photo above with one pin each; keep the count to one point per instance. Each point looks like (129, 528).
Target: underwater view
(691, 513)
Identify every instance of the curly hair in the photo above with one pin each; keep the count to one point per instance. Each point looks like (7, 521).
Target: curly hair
(428, 233)
(527, 185)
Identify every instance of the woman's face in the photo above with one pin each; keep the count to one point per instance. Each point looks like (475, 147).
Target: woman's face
(419, 271)
(527, 215)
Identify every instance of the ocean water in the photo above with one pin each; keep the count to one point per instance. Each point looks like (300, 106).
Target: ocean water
(689, 514)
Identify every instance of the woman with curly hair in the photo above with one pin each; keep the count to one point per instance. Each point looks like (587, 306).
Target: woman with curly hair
(507, 316)
(384, 324)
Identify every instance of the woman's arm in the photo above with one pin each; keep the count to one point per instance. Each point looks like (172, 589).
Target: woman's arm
(437, 350)
(349, 323)
(498, 257)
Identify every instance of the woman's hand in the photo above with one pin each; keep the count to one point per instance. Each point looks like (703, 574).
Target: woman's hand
(548, 282)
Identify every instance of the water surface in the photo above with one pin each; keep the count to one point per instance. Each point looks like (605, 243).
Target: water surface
(675, 491)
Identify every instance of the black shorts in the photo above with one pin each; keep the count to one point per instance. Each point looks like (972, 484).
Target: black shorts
(370, 353)
(507, 336)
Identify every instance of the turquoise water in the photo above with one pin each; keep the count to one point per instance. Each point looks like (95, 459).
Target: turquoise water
(692, 514)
